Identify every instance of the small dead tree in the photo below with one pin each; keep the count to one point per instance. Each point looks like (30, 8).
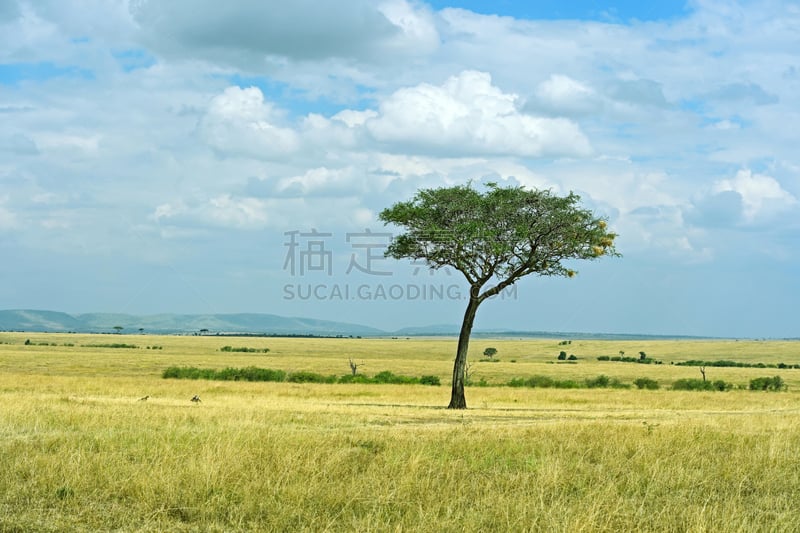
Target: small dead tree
(353, 366)
(703, 371)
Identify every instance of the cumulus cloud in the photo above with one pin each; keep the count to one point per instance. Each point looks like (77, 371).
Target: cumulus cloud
(222, 211)
(469, 115)
(321, 181)
(252, 31)
(761, 195)
(564, 95)
(240, 122)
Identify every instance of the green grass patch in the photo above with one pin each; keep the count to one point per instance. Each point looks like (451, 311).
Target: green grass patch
(243, 349)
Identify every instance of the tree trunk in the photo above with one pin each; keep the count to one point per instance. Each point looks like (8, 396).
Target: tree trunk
(457, 399)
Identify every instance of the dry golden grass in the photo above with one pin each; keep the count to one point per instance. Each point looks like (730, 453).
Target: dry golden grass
(79, 452)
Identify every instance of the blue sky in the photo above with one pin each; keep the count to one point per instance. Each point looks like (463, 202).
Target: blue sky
(179, 156)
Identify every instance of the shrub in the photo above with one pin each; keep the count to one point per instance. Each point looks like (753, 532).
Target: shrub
(604, 358)
(390, 378)
(572, 357)
(598, 382)
(768, 384)
(243, 349)
(646, 383)
(354, 378)
(721, 386)
(310, 377)
(698, 384)
(430, 380)
(562, 356)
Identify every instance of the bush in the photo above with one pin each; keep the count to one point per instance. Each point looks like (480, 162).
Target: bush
(775, 383)
(562, 356)
(310, 377)
(721, 386)
(430, 380)
(354, 378)
(572, 357)
(646, 383)
(243, 349)
(699, 384)
(393, 379)
(604, 358)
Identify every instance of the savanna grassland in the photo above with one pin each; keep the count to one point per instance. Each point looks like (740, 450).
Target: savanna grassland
(80, 452)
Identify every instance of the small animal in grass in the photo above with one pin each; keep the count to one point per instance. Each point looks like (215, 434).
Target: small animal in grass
(196, 398)
(144, 398)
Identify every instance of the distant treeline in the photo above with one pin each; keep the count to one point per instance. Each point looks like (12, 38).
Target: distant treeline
(735, 364)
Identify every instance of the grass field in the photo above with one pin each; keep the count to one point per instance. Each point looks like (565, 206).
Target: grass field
(79, 452)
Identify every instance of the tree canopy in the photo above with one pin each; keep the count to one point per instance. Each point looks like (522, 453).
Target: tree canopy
(498, 235)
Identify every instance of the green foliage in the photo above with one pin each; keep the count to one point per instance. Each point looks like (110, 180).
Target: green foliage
(243, 349)
(562, 356)
(775, 383)
(310, 377)
(226, 374)
(544, 382)
(430, 380)
(490, 352)
(389, 377)
(646, 383)
(605, 382)
(693, 384)
(572, 357)
(504, 232)
(265, 374)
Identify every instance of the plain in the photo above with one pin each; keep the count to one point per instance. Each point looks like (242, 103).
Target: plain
(80, 450)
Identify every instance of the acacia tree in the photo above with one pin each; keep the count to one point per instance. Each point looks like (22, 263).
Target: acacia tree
(494, 238)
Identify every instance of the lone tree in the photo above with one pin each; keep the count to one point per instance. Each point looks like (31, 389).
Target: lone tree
(494, 238)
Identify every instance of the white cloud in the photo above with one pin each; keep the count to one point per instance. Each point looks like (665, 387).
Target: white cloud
(222, 211)
(565, 95)
(240, 122)
(762, 195)
(321, 181)
(470, 116)
(87, 143)
(418, 29)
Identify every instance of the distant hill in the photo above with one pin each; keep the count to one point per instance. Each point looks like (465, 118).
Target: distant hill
(258, 324)
(244, 323)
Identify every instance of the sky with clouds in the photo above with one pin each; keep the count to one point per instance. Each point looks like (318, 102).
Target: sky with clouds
(197, 156)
